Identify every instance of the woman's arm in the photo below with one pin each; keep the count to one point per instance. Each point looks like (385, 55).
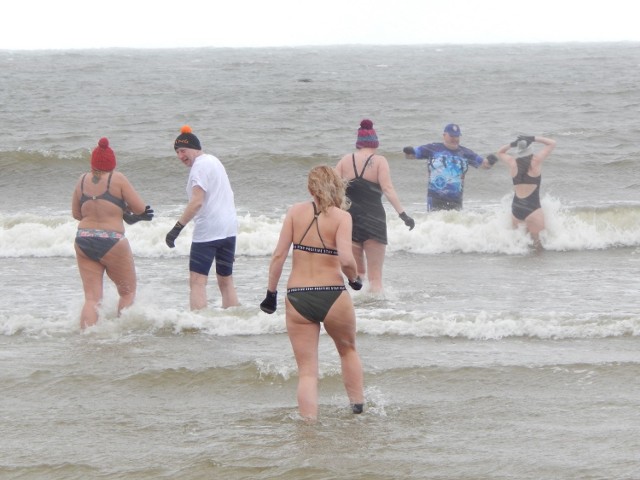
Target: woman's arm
(75, 202)
(280, 253)
(384, 179)
(549, 145)
(131, 197)
(345, 248)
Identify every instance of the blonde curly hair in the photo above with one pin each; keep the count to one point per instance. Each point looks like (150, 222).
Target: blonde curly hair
(327, 187)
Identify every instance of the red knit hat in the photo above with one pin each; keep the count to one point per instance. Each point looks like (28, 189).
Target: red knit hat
(367, 137)
(103, 158)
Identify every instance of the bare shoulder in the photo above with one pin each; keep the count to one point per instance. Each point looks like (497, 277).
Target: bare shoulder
(379, 160)
(339, 214)
(119, 178)
(118, 175)
(343, 161)
(300, 207)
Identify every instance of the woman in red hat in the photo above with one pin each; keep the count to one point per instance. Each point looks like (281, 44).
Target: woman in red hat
(102, 199)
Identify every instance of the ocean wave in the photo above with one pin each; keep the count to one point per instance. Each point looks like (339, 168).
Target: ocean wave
(483, 230)
(144, 319)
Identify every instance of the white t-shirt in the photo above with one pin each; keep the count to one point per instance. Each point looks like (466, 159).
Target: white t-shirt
(217, 218)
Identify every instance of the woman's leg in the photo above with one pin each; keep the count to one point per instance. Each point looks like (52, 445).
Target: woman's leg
(91, 273)
(535, 225)
(340, 324)
(122, 271)
(375, 252)
(304, 336)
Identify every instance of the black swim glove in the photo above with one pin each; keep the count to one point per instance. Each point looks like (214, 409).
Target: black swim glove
(492, 159)
(132, 218)
(408, 221)
(527, 138)
(270, 302)
(173, 234)
(409, 151)
(356, 284)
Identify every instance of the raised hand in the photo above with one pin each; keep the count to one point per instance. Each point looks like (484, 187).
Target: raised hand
(527, 138)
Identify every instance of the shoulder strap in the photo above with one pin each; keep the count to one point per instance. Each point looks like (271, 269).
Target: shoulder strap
(316, 214)
(109, 180)
(355, 170)
(353, 159)
(82, 184)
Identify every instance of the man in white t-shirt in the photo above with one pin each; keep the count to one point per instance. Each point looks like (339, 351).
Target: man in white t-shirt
(211, 206)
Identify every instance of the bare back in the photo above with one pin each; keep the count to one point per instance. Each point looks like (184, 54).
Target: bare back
(100, 213)
(377, 171)
(327, 245)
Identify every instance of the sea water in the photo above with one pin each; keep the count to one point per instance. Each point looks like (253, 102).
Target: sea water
(483, 359)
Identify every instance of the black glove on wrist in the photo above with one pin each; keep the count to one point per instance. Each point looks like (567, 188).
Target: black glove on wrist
(492, 159)
(356, 284)
(409, 151)
(147, 215)
(173, 234)
(270, 302)
(527, 138)
(408, 221)
(132, 218)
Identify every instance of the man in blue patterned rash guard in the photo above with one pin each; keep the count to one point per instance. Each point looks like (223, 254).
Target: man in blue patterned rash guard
(447, 164)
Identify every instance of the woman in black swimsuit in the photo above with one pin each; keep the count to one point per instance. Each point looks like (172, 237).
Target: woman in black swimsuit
(320, 232)
(525, 168)
(369, 178)
(101, 200)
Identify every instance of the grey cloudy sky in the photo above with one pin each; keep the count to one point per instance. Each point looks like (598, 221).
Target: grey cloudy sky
(63, 24)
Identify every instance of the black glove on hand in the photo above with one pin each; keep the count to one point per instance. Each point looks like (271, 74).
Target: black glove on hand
(173, 234)
(409, 151)
(270, 302)
(356, 284)
(147, 215)
(408, 221)
(527, 138)
(132, 218)
(492, 159)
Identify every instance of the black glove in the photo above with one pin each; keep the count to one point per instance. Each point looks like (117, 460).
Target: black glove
(269, 303)
(173, 234)
(514, 144)
(409, 151)
(132, 218)
(492, 159)
(408, 221)
(527, 138)
(356, 284)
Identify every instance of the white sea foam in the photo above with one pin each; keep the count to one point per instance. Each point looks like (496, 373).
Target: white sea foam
(470, 231)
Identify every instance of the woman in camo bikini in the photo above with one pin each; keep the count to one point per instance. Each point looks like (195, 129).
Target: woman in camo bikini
(101, 201)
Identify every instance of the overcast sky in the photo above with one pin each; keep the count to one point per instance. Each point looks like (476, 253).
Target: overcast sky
(63, 24)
